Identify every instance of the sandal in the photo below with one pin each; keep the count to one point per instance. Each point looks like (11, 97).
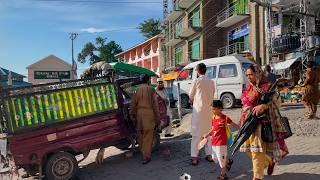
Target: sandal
(223, 177)
(229, 164)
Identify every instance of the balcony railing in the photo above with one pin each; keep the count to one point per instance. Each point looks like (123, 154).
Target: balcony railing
(235, 48)
(233, 15)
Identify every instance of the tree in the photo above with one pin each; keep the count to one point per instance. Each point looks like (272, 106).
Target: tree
(106, 51)
(150, 28)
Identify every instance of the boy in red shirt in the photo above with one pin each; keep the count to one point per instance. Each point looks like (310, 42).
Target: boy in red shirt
(219, 137)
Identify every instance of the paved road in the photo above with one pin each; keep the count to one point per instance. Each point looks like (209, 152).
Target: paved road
(303, 163)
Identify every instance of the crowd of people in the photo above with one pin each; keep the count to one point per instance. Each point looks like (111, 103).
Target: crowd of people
(210, 127)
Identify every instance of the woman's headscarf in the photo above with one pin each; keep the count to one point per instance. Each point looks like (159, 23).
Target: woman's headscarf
(260, 76)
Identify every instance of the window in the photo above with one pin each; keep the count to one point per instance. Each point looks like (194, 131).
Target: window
(194, 49)
(178, 29)
(194, 17)
(178, 55)
(227, 71)
(211, 72)
(185, 74)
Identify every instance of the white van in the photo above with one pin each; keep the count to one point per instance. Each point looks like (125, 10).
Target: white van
(228, 74)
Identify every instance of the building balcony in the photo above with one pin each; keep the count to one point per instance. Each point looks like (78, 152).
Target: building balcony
(176, 13)
(232, 15)
(185, 4)
(193, 26)
(173, 41)
(236, 48)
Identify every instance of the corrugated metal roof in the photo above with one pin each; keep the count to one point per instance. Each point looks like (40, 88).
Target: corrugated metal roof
(5, 72)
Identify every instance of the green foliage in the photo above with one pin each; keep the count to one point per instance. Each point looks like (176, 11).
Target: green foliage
(106, 51)
(150, 28)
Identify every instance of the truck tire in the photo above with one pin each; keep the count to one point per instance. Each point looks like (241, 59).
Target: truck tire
(228, 100)
(156, 141)
(61, 166)
(185, 101)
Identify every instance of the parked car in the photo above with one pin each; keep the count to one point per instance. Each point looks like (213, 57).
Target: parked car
(228, 74)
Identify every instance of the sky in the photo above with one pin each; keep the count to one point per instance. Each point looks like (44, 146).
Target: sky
(33, 29)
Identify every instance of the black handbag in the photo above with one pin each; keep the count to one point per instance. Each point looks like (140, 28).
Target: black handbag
(266, 131)
(286, 124)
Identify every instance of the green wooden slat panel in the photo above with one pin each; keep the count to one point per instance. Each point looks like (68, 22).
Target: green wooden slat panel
(20, 112)
(66, 104)
(53, 107)
(88, 100)
(77, 103)
(114, 97)
(108, 97)
(94, 99)
(104, 92)
(59, 103)
(83, 101)
(59, 106)
(70, 99)
(98, 100)
(34, 109)
(28, 113)
(41, 108)
(13, 124)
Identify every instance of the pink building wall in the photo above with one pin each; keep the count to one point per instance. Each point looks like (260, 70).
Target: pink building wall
(146, 55)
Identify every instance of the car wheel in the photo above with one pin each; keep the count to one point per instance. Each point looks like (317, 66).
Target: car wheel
(185, 101)
(60, 166)
(228, 100)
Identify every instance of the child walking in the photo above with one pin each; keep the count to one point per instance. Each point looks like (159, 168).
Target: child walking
(219, 138)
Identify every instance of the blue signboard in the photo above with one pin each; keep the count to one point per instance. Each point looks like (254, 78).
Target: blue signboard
(239, 32)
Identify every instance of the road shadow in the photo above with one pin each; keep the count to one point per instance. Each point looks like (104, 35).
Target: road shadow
(298, 159)
(294, 176)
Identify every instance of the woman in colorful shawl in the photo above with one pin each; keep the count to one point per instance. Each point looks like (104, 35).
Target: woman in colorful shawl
(311, 91)
(263, 154)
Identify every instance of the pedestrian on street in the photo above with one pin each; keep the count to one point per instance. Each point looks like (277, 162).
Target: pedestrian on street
(201, 96)
(145, 111)
(262, 154)
(311, 90)
(219, 137)
(272, 78)
(162, 92)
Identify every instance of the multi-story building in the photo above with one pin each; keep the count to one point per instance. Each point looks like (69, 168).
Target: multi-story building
(197, 30)
(204, 29)
(191, 34)
(295, 36)
(147, 54)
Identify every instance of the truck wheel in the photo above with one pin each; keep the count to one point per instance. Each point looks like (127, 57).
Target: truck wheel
(185, 101)
(156, 141)
(228, 100)
(61, 166)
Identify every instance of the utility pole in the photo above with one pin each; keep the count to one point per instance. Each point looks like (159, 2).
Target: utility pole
(73, 36)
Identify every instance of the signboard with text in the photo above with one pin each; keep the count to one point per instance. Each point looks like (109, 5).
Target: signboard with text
(52, 75)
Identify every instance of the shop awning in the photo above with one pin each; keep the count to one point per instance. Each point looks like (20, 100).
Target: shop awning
(285, 64)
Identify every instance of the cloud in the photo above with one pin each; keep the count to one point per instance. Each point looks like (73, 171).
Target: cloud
(100, 30)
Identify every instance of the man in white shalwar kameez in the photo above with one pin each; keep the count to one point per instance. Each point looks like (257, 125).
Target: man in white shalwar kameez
(201, 96)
